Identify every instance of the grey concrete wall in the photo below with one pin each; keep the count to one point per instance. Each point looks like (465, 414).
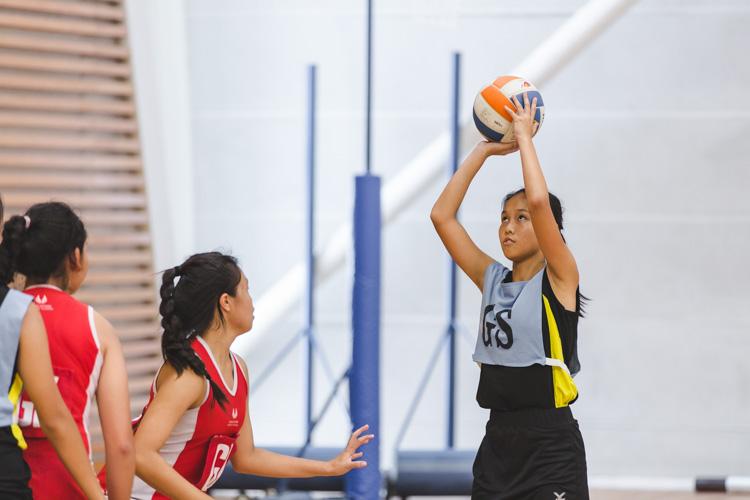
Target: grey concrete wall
(644, 140)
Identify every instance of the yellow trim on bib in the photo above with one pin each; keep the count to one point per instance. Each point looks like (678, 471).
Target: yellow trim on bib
(565, 388)
(14, 395)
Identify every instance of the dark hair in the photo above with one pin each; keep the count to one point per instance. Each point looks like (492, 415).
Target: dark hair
(554, 203)
(38, 243)
(557, 212)
(187, 308)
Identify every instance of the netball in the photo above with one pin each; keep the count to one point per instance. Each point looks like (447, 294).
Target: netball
(491, 118)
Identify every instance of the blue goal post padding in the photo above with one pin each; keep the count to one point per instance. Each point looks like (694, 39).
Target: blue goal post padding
(364, 377)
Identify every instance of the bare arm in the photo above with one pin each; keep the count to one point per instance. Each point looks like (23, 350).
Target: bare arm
(35, 369)
(561, 264)
(260, 462)
(113, 400)
(175, 395)
(252, 460)
(460, 246)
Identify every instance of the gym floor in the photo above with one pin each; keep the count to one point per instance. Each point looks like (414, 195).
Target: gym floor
(663, 495)
(601, 495)
(638, 495)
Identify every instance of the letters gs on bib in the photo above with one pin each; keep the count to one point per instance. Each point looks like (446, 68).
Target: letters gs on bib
(494, 322)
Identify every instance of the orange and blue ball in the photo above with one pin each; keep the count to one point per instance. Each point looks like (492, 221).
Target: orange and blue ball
(491, 118)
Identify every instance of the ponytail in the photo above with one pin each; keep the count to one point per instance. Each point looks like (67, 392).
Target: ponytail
(38, 243)
(187, 309)
(13, 233)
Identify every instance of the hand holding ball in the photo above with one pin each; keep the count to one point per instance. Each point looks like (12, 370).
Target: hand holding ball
(490, 116)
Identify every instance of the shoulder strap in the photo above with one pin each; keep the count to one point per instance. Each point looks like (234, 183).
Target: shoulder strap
(239, 367)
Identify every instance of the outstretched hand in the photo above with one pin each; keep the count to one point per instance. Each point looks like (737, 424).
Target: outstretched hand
(347, 459)
(524, 125)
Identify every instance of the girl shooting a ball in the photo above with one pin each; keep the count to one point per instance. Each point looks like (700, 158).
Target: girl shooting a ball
(527, 338)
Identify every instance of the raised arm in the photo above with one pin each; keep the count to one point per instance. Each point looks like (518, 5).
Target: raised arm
(35, 369)
(260, 462)
(113, 400)
(563, 271)
(460, 246)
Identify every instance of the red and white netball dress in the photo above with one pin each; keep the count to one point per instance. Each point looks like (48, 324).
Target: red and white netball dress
(76, 361)
(202, 442)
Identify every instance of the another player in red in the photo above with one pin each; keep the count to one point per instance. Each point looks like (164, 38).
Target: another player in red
(25, 362)
(86, 355)
(196, 420)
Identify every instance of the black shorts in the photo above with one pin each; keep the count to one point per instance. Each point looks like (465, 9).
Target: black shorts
(14, 471)
(531, 455)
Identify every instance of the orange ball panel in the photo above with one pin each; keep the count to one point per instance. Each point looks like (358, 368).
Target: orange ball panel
(497, 100)
(501, 81)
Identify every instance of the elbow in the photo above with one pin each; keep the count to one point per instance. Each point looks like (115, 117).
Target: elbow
(434, 215)
(143, 462)
(55, 428)
(242, 465)
(244, 461)
(122, 452)
(239, 467)
(536, 203)
(437, 216)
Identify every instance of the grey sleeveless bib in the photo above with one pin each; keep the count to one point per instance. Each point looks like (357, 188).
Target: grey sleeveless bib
(510, 325)
(12, 312)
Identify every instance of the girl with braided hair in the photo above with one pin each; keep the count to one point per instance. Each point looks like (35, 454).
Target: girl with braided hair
(25, 362)
(48, 246)
(196, 419)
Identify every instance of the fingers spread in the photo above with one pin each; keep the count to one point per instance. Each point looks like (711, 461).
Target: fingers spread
(360, 430)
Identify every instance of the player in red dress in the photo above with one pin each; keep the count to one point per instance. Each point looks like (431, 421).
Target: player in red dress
(196, 419)
(86, 355)
(25, 362)
(203, 438)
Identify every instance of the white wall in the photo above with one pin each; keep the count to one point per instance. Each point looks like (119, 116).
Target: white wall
(158, 45)
(643, 141)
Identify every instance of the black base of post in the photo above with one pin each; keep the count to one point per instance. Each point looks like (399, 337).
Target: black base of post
(710, 484)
